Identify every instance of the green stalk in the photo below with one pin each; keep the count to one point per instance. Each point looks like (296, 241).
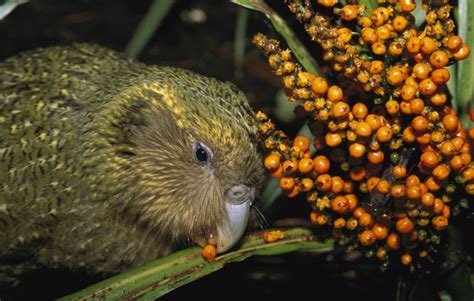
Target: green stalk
(149, 24)
(300, 52)
(465, 68)
(161, 276)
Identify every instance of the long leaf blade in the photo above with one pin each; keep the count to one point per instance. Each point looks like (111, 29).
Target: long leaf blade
(161, 276)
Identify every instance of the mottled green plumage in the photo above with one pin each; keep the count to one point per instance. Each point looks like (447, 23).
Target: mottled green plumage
(96, 166)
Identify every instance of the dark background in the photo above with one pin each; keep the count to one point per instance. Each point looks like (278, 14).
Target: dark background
(206, 48)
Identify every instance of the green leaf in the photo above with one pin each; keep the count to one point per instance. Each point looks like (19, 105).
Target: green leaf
(370, 4)
(465, 68)
(300, 52)
(161, 276)
(151, 21)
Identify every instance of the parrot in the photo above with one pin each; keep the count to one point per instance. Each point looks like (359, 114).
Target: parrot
(107, 163)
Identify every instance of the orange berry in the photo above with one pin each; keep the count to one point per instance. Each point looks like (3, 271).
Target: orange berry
(441, 172)
(324, 182)
(412, 180)
(357, 150)
(306, 184)
(319, 85)
(438, 99)
(413, 45)
(287, 183)
(379, 48)
(399, 171)
(340, 204)
(376, 67)
(339, 223)
(340, 109)
(383, 186)
(447, 148)
(313, 216)
(357, 173)
(327, 3)
(348, 187)
(290, 166)
(384, 134)
(428, 199)
(407, 5)
(395, 49)
(333, 139)
(373, 121)
(405, 107)
(369, 35)
(446, 211)
(272, 162)
(439, 59)
(392, 107)
(421, 70)
(372, 182)
(376, 157)
(365, 219)
(408, 92)
(414, 193)
(363, 129)
(468, 173)
(337, 184)
(209, 252)
(428, 45)
(302, 142)
(395, 76)
(416, 105)
(430, 159)
(379, 16)
(462, 52)
(305, 165)
(427, 86)
(456, 162)
(293, 192)
(406, 259)
(349, 12)
(450, 122)
(277, 173)
(321, 164)
(408, 135)
(458, 143)
(398, 190)
(439, 222)
(399, 23)
(359, 110)
(420, 123)
(454, 43)
(432, 184)
(358, 212)
(335, 94)
(380, 231)
(367, 238)
(404, 225)
(353, 202)
(383, 32)
(440, 76)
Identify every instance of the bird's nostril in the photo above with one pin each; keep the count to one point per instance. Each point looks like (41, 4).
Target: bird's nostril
(239, 194)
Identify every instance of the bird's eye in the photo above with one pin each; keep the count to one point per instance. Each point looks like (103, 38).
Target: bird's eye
(202, 153)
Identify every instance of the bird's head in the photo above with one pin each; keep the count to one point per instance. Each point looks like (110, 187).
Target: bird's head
(187, 158)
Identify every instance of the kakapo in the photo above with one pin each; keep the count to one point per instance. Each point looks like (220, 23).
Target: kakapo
(107, 163)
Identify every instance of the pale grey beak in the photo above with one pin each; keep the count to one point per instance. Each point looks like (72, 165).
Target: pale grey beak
(238, 200)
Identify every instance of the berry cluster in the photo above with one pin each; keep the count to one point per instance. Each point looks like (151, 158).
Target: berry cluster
(386, 175)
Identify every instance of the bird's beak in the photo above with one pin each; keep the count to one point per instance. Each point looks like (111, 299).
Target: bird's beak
(238, 200)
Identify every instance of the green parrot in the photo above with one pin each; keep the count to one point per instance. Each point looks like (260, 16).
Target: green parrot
(107, 163)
